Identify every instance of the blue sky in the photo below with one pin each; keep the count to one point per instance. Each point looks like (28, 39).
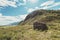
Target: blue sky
(16, 10)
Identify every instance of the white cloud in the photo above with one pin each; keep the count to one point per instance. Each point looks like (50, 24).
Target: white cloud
(12, 3)
(23, 16)
(16, 0)
(50, 2)
(0, 14)
(4, 3)
(4, 20)
(33, 1)
(24, 3)
(55, 4)
(32, 9)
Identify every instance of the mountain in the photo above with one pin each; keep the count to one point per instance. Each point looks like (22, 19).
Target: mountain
(15, 23)
(24, 30)
(42, 16)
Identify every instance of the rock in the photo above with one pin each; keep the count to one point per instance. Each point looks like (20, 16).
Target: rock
(40, 26)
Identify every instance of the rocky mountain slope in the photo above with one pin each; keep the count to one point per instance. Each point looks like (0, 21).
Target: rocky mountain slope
(42, 16)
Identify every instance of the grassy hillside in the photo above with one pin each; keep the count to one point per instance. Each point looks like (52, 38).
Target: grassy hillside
(25, 31)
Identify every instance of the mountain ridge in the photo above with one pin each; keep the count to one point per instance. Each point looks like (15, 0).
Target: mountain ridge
(42, 13)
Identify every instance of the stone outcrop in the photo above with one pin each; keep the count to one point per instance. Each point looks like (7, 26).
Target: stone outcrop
(40, 26)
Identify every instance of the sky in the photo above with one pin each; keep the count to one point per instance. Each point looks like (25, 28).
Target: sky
(16, 10)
